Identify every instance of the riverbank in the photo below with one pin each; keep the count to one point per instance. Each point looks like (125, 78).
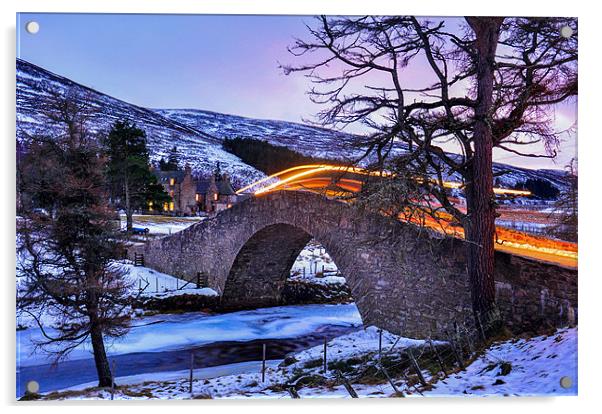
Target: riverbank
(518, 367)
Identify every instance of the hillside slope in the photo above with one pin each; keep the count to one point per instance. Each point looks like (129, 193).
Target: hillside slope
(318, 142)
(198, 134)
(200, 150)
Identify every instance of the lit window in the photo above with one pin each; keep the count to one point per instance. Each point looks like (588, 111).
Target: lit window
(172, 181)
(165, 207)
(215, 196)
(171, 206)
(197, 197)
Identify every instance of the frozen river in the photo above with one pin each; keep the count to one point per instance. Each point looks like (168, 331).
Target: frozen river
(163, 343)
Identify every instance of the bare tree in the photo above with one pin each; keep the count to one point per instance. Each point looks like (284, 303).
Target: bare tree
(567, 207)
(437, 99)
(67, 238)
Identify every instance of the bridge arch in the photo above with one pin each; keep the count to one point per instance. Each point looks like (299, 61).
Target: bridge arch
(404, 279)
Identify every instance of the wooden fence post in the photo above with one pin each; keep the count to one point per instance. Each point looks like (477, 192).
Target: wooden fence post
(346, 384)
(191, 373)
(293, 392)
(481, 329)
(386, 374)
(325, 362)
(437, 356)
(263, 364)
(380, 345)
(416, 367)
(455, 352)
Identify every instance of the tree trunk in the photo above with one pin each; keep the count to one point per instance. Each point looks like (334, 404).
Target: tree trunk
(479, 226)
(100, 355)
(129, 214)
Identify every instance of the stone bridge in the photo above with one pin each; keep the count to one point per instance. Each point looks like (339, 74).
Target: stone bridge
(403, 278)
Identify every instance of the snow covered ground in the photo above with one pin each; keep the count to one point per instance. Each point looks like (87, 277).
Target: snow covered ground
(315, 265)
(519, 367)
(161, 225)
(149, 282)
(535, 366)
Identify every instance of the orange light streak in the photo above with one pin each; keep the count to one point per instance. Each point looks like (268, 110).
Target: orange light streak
(315, 168)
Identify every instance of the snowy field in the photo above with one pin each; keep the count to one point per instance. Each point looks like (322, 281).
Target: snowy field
(533, 368)
(161, 225)
(536, 367)
(151, 283)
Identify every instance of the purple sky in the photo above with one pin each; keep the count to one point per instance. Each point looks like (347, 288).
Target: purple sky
(225, 64)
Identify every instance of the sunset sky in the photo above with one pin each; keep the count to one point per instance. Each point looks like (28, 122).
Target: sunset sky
(226, 64)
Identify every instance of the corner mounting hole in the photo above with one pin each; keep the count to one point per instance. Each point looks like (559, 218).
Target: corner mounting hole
(32, 387)
(566, 32)
(32, 27)
(566, 382)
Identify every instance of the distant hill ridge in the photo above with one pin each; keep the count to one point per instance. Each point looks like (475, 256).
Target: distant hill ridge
(198, 134)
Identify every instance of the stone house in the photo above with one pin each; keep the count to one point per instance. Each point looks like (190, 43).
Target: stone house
(181, 187)
(191, 195)
(216, 193)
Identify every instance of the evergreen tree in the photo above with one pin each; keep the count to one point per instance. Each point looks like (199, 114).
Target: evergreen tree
(66, 249)
(173, 161)
(267, 157)
(133, 184)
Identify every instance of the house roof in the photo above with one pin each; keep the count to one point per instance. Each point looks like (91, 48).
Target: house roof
(164, 176)
(225, 188)
(202, 186)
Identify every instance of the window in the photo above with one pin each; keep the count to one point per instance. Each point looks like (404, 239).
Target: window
(215, 196)
(172, 181)
(197, 197)
(171, 206)
(165, 207)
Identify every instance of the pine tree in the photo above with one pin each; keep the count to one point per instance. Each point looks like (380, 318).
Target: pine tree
(173, 161)
(68, 237)
(133, 184)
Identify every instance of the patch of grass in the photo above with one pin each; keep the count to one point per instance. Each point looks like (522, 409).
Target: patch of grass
(202, 397)
(505, 368)
(344, 365)
(144, 392)
(314, 363)
(311, 381)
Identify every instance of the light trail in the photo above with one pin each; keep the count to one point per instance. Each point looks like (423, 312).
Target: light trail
(311, 169)
(308, 178)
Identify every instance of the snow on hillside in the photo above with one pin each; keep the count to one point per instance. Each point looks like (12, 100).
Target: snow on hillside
(198, 134)
(535, 366)
(317, 142)
(306, 139)
(200, 150)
